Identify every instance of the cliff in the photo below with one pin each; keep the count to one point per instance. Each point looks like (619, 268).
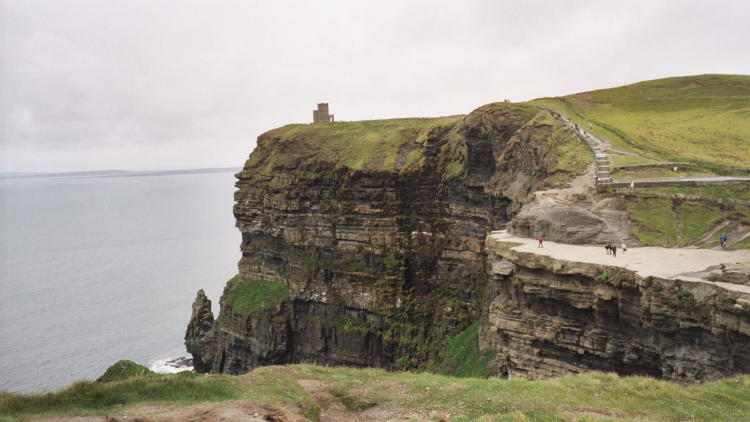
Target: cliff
(368, 244)
(679, 315)
(363, 242)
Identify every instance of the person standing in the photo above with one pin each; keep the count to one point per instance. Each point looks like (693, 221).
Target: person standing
(614, 250)
(624, 247)
(541, 242)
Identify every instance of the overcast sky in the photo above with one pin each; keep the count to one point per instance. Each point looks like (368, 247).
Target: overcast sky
(150, 84)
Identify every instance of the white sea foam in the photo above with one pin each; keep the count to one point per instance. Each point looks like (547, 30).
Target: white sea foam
(171, 365)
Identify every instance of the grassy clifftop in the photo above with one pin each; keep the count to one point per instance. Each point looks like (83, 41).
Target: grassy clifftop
(704, 119)
(304, 392)
(404, 145)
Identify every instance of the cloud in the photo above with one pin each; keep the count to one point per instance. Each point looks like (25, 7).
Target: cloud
(169, 84)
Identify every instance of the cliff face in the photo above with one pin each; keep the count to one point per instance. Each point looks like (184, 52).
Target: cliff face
(371, 235)
(550, 317)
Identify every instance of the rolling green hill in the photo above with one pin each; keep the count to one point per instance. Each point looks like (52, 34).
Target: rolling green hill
(703, 119)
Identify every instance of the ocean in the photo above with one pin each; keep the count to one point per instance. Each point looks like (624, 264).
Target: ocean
(98, 269)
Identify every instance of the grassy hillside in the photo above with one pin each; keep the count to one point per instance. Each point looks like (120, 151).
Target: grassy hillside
(704, 119)
(304, 392)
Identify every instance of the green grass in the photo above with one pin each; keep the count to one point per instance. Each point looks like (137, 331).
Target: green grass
(85, 397)
(742, 244)
(580, 397)
(741, 192)
(351, 400)
(653, 221)
(266, 385)
(371, 144)
(696, 220)
(125, 369)
(703, 119)
(407, 394)
(631, 160)
(659, 172)
(255, 295)
(453, 169)
(573, 155)
(462, 357)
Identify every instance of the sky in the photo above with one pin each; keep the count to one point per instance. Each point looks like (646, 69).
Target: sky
(156, 84)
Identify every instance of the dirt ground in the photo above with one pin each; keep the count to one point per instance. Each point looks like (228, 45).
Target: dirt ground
(228, 411)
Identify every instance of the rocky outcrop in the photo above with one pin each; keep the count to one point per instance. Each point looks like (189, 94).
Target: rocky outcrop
(549, 317)
(377, 228)
(580, 222)
(200, 337)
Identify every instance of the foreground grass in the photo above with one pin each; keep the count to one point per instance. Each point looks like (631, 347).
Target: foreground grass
(264, 385)
(582, 397)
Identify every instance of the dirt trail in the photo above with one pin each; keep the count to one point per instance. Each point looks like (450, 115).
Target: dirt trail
(331, 408)
(228, 411)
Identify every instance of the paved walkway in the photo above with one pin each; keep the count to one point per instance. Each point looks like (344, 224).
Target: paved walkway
(646, 261)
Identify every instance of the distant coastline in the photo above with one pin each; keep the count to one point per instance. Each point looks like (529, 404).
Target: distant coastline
(117, 173)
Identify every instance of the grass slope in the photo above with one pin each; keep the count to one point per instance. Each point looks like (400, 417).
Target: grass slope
(255, 295)
(408, 396)
(704, 119)
(462, 357)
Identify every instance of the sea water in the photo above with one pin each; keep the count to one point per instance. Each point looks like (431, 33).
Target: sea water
(98, 269)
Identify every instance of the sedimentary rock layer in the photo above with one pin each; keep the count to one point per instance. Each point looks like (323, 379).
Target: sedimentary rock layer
(549, 317)
(378, 230)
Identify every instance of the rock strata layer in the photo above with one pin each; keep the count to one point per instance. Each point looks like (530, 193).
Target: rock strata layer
(383, 255)
(550, 317)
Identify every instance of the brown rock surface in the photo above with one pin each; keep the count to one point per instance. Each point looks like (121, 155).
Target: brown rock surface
(566, 309)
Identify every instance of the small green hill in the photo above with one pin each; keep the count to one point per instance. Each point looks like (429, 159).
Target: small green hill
(703, 119)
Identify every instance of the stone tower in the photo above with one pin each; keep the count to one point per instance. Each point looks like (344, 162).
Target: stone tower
(321, 114)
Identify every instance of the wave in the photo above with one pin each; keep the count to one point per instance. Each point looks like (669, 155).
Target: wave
(171, 365)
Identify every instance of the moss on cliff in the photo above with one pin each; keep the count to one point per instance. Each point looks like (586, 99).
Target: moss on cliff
(255, 295)
(462, 357)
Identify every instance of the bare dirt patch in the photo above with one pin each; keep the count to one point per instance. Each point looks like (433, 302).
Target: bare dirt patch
(587, 413)
(234, 411)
